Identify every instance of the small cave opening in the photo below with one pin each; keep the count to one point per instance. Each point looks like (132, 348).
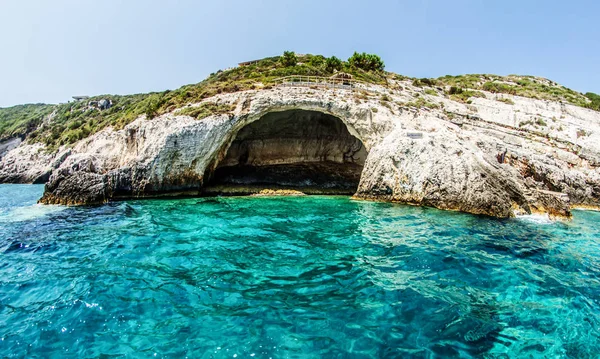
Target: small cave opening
(306, 151)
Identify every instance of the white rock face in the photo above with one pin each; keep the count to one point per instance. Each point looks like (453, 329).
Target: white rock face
(487, 157)
(30, 163)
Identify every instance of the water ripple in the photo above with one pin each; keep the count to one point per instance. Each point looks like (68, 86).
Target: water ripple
(292, 277)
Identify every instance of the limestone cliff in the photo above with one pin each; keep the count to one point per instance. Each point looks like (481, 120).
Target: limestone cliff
(498, 155)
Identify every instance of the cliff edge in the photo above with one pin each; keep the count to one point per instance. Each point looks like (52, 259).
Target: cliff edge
(483, 150)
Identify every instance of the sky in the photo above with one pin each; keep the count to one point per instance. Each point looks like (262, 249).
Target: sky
(52, 50)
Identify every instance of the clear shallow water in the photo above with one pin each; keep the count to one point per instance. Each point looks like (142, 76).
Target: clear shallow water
(291, 277)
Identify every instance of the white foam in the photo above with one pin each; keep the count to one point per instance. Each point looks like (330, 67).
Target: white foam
(30, 212)
(585, 209)
(536, 218)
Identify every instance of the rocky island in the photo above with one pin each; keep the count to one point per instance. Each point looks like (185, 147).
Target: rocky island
(483, 144)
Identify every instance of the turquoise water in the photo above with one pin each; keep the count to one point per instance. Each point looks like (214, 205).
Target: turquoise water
(304, 277)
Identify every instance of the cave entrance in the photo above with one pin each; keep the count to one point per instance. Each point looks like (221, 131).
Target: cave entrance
(306, 151)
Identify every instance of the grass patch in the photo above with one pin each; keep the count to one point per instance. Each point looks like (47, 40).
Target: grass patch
(462, 95)
(206, 109)
(582, 133)
(525, 86)
(506, 100)
(424, 82)
(594, 101)
(76, 120)
(19, 120)
(422, 103)
(525, 123)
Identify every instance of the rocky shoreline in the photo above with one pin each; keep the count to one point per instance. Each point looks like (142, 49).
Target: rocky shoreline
(487, 157)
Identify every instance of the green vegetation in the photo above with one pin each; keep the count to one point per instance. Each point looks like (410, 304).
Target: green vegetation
(421, 102)
(333, 64)
(462, 95)
(424, 82)
(506, 101)
(206, 109)
(289, 59)
(582, 133)
(66, 123)
(76, 120)
(367, 62)
(363, 95)
(19, 120)
(317, 60)
(498, 87)
(525, 86)
(525, 123)
(595, 101)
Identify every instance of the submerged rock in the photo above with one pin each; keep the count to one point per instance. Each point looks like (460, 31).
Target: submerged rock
(473, 158)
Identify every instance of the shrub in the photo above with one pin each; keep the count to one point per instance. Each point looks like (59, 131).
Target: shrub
(595, 101)
(18, 120)
(465, 95)
(333, 64)
(152, 106)
(387, 105)
(206, 109)
(506, 101)
(540, 121)
(582, 133)
(288, 59)
(367, 62)
(316, 61)
(431, 92)
(363, 95)
(496, 87)
(421, 102)
(72, 136)
(592, 96)
(455, 90)
(525, 123)
(424, 82)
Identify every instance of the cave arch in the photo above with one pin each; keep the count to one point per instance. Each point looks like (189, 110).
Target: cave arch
(309, 151)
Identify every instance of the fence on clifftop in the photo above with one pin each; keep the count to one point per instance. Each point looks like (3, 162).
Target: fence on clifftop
(324, 82)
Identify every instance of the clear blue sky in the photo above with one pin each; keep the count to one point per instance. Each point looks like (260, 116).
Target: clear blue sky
(51, 50)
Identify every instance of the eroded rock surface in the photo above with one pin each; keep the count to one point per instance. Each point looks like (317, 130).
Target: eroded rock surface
(307, 151)
(487, 157)
(30, 163)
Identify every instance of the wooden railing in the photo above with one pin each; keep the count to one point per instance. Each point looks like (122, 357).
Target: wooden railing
(328, 82)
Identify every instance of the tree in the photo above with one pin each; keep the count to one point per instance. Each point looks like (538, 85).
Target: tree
(288, 59)
(595, 101)
(367, 62)
(316, 60)
(333, 64)
(153, 104)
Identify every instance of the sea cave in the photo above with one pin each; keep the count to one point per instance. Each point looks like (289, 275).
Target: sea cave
(304, 151)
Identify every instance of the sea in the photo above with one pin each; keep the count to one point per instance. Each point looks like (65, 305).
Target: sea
(292, 277)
